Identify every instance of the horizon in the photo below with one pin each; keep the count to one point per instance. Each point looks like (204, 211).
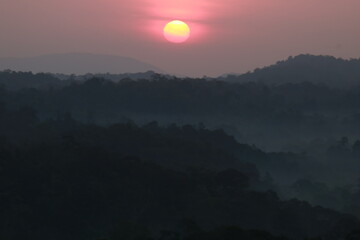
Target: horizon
(156, 69)
(226, 36)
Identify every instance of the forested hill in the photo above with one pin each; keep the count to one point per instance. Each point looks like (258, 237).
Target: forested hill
(62, 179)
(77, 160)
(15, 81)
(325, 70)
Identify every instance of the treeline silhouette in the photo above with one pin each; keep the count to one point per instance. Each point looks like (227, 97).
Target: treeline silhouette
(305, 102)
(272, 117)
(13, 80)
(320, 69)
(327, 70)
(63, 179)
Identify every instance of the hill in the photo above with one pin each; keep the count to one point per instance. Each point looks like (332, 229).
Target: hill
(62, 179)
(326, 70)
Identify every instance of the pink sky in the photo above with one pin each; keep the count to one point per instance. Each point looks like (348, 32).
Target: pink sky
(227, 35)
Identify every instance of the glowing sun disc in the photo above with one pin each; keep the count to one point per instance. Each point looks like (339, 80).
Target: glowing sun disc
(176, 31)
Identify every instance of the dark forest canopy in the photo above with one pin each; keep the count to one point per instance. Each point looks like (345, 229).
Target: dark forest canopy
(313, 107)
(160, 157)
(194, 96)
(62, 179)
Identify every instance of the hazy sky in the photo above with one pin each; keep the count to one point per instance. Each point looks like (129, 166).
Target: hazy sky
(227, 35)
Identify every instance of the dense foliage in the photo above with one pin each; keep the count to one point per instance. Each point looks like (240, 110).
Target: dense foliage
(165, 158)
(62, 179)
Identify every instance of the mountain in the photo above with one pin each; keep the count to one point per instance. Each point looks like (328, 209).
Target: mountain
(327, 70)
(77, 63)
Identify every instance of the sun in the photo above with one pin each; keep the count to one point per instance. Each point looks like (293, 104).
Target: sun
(177, 31)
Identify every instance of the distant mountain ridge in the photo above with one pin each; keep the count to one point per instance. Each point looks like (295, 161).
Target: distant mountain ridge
(320, 69)
(77, 63)
(51, 69)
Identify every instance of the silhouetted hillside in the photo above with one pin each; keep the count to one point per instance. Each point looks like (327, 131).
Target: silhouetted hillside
(326, 70)
(128, 154)
(269, 116)
(14, 81)
(62, 179)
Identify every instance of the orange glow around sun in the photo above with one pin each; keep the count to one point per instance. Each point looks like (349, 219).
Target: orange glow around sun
(177, 31)
(193, 27)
